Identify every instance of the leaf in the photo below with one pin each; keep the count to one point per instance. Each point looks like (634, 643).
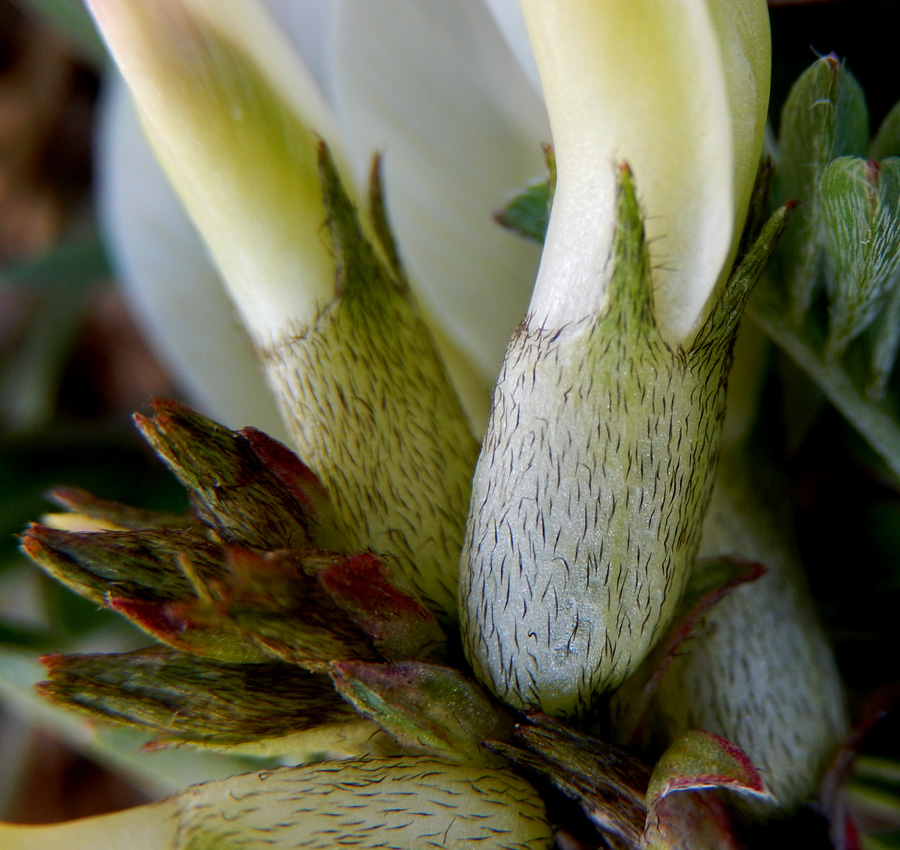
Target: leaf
(196, 700)
(823, 117)
(876, 420)
(887, 140)
(232, 489)
(608, 783)
(411, 803)
(400, 625)
(860, 204)
(697, 761)
(425, 706)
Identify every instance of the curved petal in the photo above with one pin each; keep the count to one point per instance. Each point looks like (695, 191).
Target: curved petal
(169, 280)
(230, 112)
(654, 85)
(434, 87)
(168, 277)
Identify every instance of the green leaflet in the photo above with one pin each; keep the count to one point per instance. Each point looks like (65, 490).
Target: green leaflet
(860, 205)
(839, 256)
(824, 117)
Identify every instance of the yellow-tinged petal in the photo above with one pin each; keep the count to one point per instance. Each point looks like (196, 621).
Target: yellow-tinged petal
(678, 90)
(168, 279)
(221, 95)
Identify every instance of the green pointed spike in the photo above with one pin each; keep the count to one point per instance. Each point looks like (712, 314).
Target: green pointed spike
(359, 272)
(721, 325)
(380, 219)
(629, 300)
(757, 213)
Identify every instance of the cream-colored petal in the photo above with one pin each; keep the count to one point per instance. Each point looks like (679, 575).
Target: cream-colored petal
(309, 26)
(229, 110)
(434, 87)
(169, 279)
(645, 83)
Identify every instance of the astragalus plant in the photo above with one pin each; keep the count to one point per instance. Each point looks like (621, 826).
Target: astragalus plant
(445, 644)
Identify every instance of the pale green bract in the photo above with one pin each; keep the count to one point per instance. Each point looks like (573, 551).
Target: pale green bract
(402, 803)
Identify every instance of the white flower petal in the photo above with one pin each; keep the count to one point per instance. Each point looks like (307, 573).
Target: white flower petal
(234, 118)
(509, 17)
(169, 279)
(654, 85)
(309, 26)
(434, 87)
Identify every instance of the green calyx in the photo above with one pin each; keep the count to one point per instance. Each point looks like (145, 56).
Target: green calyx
(370, 408)
(592, 484)
(415, 803)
